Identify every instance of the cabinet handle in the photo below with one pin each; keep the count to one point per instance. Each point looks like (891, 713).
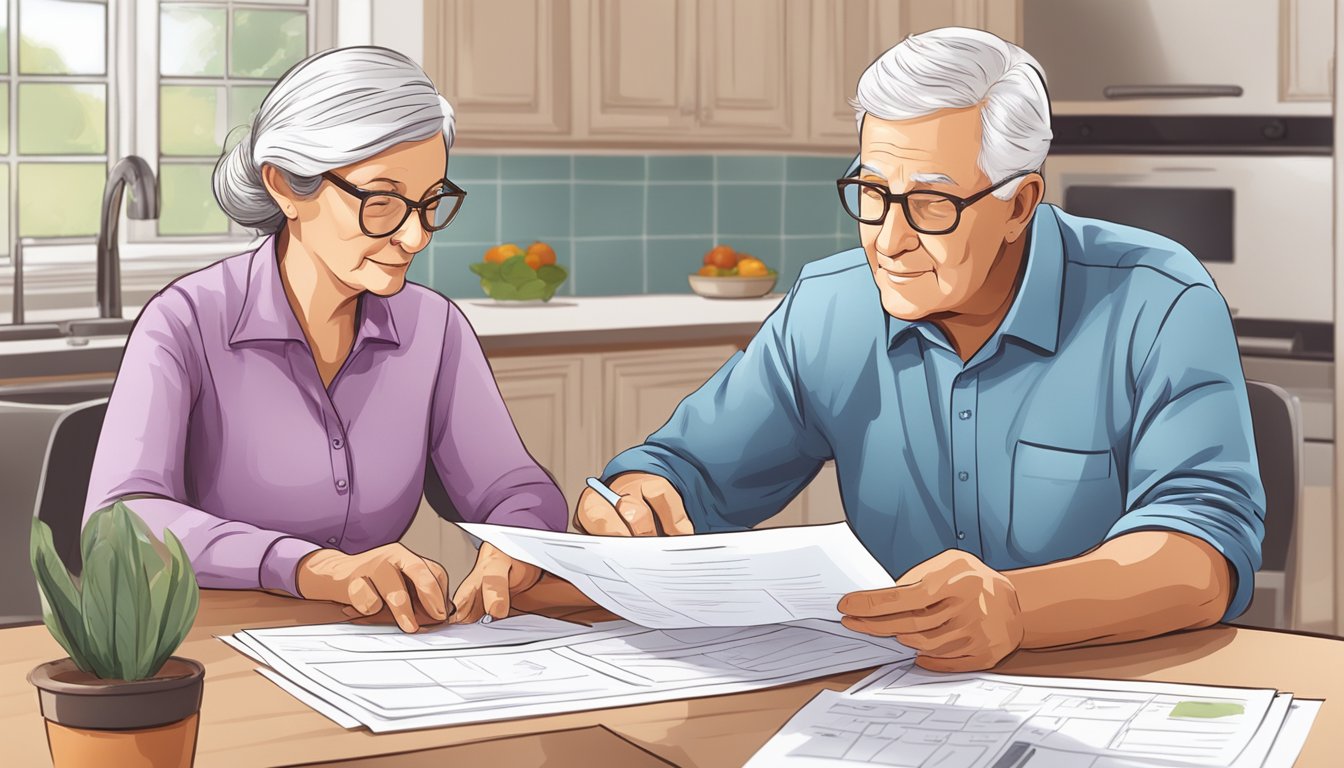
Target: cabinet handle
(1169, 91)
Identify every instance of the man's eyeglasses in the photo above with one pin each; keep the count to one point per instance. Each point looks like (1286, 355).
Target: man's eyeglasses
(382, 213)
(927, 211)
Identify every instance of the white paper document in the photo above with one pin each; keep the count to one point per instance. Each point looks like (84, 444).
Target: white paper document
(735, 579)
(906, 716)
(391, 683)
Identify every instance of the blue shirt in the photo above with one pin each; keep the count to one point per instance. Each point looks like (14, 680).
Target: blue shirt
(1109, 400)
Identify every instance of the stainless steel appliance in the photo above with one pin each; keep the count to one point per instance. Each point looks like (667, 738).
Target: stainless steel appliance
(1251, 197)
(1187, 57)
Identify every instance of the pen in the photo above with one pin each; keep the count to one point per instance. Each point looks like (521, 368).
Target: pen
(613, 498)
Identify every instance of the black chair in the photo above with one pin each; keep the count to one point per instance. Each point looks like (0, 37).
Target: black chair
(1276, 416)
(65, 476)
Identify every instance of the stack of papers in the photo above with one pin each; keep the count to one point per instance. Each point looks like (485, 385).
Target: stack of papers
(528, 666)
(902, 715)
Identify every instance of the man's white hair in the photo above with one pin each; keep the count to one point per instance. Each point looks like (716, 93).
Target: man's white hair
(334, 108)
(955, 68)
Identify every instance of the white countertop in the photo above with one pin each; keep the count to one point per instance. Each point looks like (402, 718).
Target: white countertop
(587, 318)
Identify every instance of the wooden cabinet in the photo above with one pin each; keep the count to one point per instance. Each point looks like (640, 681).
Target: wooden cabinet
(503, 64)
(847, 35)
(1306, 50)
(575, 412)
(640, 66)
(672, 73)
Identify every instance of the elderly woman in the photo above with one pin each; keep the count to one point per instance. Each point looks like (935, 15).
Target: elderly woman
(277, 409)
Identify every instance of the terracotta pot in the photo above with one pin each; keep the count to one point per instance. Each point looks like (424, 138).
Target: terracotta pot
(95, 722)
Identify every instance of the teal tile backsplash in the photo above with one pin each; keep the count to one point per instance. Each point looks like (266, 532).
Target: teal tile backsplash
(629, 224)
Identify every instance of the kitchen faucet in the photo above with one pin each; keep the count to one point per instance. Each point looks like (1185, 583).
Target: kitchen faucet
(144, 204)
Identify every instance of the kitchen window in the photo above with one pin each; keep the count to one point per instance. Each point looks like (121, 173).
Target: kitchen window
(85, 82)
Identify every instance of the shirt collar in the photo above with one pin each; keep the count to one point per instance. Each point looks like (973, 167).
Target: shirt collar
(267, 316)
(1034, 314)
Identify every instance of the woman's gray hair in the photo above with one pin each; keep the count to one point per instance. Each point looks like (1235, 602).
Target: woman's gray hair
(955, 68)
(332, 109)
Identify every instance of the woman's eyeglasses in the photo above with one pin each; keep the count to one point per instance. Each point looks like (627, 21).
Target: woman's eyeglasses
(382, 213)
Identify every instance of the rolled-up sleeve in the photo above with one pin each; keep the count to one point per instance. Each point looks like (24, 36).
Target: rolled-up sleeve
(1192, 465)
(488, 473)
(141, 458)
(739, 447)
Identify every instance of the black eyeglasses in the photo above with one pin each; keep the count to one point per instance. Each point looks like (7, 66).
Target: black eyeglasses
(382, 213)
(927, 211)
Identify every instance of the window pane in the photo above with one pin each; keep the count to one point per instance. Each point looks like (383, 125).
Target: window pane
(4, 209)
(191, 120)
(266, 43)
(58, 37)
(188, 201)
(60, 199)
(191, 41)
(4, 36)
(244, 101)
(4, 118)
(59, 119)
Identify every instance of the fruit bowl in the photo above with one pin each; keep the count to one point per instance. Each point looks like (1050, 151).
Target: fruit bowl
(729, 274)
(510, 274)
(732, 287)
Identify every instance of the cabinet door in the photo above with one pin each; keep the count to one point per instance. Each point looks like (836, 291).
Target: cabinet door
(641, 67)
(1306, 50)
(749, 69)
(504, 65)
(847, 35)
(545, 397)
(641, 389)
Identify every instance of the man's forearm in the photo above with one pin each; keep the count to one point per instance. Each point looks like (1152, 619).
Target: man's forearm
(1135, 586)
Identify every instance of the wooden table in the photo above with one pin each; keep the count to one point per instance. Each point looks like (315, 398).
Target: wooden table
(248, 721)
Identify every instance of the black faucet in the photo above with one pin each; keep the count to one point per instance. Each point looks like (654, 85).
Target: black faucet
(144, 204)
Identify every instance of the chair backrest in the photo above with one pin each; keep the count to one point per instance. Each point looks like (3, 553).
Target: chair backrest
(65, 476)
(1276, 417)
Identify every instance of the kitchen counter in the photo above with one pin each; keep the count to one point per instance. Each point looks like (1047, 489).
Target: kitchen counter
(565, 323)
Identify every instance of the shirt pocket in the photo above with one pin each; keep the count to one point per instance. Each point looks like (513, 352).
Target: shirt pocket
(1064, 502)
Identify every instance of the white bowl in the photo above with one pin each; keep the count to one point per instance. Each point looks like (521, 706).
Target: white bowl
(732, 287)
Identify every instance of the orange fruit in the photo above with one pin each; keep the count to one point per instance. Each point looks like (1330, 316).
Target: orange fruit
(721, 256)
(752, 267)
(502, 253)
(708, 270)
(544, 254)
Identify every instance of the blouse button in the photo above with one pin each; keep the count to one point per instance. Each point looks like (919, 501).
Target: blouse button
(341, 483)
(337, 443)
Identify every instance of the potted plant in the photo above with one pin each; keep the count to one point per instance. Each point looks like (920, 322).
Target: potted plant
(121, 698)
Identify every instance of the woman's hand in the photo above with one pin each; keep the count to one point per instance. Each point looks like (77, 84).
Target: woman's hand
(376, 578)
(494, 579)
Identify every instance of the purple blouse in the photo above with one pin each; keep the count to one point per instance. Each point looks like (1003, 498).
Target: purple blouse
(219, 413)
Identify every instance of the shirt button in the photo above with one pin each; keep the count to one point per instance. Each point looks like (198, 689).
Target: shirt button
(963, 475)
(332, 540)
(964, 415)
(341, 483)
(337, 443)
(961, 534)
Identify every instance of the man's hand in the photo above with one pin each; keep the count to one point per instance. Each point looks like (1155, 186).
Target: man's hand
(493, 580)
(958, 613)
(647, 503)
(369, 580)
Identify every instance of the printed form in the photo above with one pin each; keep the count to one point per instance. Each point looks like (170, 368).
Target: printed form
(734, 579)
(528, 665)
(905, 716)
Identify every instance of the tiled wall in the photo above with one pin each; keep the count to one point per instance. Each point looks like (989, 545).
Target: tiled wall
(628, 224)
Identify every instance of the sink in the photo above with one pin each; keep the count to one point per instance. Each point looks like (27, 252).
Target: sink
(27, 331)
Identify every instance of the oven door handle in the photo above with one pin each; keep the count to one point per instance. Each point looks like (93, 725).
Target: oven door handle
(1170, 91)
(1272, 345)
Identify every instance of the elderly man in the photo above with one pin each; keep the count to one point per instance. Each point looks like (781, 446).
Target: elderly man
(1039, 421)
